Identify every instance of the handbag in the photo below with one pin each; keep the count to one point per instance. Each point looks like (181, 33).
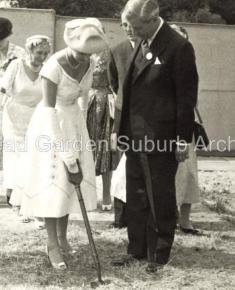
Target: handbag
(200, 135)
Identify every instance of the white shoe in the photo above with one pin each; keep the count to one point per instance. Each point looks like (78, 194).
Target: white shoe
(39, 223)
(106, 207)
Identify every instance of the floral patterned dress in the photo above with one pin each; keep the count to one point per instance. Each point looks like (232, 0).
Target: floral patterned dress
(99, 115)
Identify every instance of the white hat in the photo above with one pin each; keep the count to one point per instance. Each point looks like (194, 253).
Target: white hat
(96, 22)
(85, 36)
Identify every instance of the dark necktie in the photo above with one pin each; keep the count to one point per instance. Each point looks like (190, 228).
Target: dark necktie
(145, 47)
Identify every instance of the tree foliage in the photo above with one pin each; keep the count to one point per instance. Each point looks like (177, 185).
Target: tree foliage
(188, 11)
(226, 8)
(203, 11)
(98, 8)
(8, 3)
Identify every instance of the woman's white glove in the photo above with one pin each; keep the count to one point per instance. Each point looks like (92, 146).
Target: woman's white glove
(72, 167)
(50, 118)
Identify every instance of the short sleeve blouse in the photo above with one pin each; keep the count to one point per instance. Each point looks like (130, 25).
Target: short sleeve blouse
(68, 88)
(51, 70)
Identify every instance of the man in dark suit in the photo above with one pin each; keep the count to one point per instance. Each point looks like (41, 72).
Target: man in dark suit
(119, 59)
(159, 94)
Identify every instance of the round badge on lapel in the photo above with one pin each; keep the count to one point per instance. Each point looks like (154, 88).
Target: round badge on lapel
(149, 56)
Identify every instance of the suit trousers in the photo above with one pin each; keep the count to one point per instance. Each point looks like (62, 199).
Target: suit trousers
(144, 239)
(119, 212)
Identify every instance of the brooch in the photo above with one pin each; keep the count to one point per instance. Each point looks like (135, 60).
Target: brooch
(149, 56)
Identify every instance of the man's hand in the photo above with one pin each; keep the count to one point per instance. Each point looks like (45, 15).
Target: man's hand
(113, 140)
(182, 152)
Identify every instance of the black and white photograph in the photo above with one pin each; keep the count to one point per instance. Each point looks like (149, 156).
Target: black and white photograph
(117, 144)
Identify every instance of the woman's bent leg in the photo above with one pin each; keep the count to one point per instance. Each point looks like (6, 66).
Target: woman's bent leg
(62, 225)
(53, 248)
(8, 195)
(184, 219)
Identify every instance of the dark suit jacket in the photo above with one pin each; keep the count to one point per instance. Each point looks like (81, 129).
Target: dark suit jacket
(159, 99)
(119, 62)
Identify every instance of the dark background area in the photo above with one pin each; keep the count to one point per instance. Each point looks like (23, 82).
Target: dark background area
(196, 11)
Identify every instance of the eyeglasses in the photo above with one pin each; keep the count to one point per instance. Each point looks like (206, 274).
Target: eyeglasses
(124, 25)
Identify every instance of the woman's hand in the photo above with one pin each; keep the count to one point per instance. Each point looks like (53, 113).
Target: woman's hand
(182, 152)
(73, 167)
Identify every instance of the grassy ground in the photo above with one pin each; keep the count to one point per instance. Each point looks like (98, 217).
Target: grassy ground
(199, 262)
(218, 191)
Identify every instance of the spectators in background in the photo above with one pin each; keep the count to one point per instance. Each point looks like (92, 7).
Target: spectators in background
(8, 52)
(187, 188)
(118, 64)
(22, 86)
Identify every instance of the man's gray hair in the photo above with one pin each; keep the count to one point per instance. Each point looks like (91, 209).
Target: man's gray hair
(142, 9)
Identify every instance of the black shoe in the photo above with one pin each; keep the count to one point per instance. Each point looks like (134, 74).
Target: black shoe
(126, 260)
(117, 225)
(151, 268)
(190, 231)
(8, 201)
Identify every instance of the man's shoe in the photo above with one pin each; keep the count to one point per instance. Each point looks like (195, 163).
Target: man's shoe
(126, 260)
(106, 207)
(151, 268)
(117, 225)
(190, 231)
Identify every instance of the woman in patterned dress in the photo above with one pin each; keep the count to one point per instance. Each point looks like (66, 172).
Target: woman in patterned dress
(100, 121)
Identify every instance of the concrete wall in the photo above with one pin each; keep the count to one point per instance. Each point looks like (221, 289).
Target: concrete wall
(215, 52)
(27, 22)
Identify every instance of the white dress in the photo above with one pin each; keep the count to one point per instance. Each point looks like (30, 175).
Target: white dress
(23, 96)
(47, 192)
(13, 52)
(118, 184)
(187, 188)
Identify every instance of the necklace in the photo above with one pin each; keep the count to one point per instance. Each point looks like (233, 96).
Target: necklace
(69, 63)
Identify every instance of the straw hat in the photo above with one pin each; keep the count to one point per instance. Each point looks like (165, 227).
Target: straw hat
(84, 36)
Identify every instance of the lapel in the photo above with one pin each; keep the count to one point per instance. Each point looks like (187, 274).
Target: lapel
(125, 53)
(127, 81)
(157, 47)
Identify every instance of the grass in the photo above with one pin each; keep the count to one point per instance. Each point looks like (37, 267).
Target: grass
(197, 262)
(218, 191)
(203, 262)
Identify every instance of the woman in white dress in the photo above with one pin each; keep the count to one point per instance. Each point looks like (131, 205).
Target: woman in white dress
(22, 86)
(8, 52)
(187, 188)
(57, 135)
